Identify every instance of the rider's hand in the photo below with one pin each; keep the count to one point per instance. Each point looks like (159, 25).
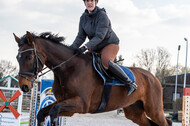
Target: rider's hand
(81, 50)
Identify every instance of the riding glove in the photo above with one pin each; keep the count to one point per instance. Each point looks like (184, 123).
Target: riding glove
(80, 50)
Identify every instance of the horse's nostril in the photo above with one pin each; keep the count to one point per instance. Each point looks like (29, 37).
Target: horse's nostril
(25, 88)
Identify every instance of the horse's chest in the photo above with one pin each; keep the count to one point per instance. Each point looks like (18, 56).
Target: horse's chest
(63, 92)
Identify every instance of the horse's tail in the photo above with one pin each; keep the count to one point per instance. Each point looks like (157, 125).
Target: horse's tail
(169, 122)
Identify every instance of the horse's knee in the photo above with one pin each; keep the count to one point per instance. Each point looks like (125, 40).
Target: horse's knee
(40, 115)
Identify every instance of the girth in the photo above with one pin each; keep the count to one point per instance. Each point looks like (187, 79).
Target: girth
(107, 88)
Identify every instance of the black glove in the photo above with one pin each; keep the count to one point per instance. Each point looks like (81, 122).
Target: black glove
(80, 50)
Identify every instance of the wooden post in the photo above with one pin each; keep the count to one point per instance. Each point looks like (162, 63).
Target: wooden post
(33, 105)
(186, 107)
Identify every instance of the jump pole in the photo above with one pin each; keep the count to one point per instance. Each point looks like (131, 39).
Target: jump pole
(44, 99)
(33, 105)
(186, 95)
(186, 107)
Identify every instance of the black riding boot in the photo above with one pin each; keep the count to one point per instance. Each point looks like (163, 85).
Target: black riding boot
(122, 76)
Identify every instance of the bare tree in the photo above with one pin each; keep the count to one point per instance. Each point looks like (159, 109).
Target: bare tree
(181, 70)
(163, 63)
(119, 59)
(6, 68)
(146, 59)
(158, 62)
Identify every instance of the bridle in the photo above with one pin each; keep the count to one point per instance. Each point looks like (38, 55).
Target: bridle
(37, 59)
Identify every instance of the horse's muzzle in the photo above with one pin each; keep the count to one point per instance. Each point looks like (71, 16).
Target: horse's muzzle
(25, 88)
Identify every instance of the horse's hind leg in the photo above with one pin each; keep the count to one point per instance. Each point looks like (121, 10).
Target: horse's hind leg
(155, 112)
(136, 113)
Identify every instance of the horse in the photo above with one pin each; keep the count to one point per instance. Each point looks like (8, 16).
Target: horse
(78, 88)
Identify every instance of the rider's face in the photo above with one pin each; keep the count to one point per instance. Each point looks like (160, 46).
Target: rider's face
(90, 5)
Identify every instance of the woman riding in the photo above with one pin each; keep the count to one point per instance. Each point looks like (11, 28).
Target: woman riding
(95, 24)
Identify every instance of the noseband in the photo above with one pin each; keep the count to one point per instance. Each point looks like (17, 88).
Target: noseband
(35, 64)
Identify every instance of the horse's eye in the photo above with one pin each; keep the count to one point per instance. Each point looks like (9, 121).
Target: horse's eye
(28, 57)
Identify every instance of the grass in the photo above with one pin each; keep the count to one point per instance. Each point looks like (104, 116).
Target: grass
(24, 122)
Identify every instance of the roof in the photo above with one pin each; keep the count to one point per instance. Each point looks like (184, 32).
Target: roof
(8, 77)
(174, 76)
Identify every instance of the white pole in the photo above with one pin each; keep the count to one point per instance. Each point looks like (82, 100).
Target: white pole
(9, 82)
(33, 105)
(185, 62)
(176, 73)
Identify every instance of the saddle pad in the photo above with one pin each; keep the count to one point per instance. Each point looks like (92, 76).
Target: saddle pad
(114, 82)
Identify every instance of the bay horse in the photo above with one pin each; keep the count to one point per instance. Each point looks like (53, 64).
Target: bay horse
(78, 88)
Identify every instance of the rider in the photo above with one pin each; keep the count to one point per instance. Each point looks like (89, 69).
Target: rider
(95, 24)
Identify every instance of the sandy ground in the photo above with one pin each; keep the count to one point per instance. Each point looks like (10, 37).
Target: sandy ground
(103, 119)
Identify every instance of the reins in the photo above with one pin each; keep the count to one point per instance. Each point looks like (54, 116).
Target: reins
(53, 68)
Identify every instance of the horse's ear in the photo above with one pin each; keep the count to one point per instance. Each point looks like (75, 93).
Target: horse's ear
(17, 39)
(29, 37)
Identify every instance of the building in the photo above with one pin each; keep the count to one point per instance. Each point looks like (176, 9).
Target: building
(168, 86)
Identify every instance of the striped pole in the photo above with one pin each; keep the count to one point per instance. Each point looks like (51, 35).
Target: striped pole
(33, 105)
(186, 107)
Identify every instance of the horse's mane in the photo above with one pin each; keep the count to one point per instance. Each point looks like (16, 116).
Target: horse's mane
(53, 38)
(45, 35)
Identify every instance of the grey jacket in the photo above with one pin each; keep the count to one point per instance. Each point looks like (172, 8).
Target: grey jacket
(97, 27)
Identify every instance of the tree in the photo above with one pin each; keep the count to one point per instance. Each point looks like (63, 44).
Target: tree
(181, 69)
(146, 59)
(155, 61)
(163, 63)
(119, 60)
(6, 68)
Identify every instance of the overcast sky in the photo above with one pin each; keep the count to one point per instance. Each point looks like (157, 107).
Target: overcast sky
(140, 24)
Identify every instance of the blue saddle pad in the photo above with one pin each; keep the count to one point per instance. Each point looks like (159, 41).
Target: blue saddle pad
(115, 82)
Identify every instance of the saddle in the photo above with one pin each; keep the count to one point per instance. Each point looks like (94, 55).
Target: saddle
(108, 79)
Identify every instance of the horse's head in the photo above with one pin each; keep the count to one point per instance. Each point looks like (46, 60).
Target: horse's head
(29, 61)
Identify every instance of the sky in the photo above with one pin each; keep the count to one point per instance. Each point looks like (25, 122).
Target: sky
(139, 24)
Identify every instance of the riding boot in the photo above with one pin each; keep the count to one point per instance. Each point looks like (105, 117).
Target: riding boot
(119, 74)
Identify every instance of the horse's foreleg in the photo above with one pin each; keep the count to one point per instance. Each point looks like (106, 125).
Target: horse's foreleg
(43, 113)
(66, 108)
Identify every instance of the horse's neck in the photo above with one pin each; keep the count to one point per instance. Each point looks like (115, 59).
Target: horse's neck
(55, 53)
